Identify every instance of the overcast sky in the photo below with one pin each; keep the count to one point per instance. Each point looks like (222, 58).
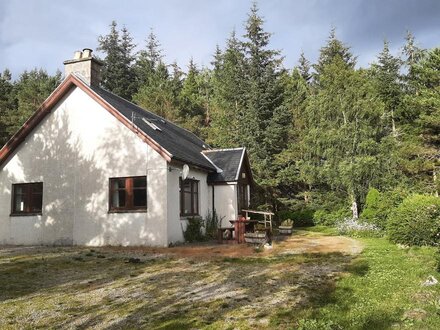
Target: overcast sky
(44, 33)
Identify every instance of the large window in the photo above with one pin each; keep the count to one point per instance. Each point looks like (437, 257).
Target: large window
(27, 198)
(189, 197)
(128, 194)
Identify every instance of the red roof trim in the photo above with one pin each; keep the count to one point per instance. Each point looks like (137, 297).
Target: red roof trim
(47, 106)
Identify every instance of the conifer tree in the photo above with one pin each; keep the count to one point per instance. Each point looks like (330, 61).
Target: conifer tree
(341, 149)
(191, 110)
(7, 106)
(304, 67)
(228, 95)
(118, 74)
(427, 102)
(386, 75)
(264, 113)
(156, 87)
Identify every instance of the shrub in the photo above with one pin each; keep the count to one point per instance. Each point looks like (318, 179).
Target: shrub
(212, 223)
(416, 221)
(330, 218)
(301, 218)
(378, 206)
(193, 231)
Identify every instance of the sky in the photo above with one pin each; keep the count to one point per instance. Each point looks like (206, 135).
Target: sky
(44, 33)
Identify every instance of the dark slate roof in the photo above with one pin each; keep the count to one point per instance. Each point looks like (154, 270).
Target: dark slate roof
(181, 143)
(228, 160)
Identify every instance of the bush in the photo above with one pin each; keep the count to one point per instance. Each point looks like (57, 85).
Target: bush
(301, 218)
(378, 206)
(416, 221)
(193, 231)
(330, 218)
(212, 223)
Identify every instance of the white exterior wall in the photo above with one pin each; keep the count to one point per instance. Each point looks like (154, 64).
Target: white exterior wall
(176, 224)
(74, 151)
(225, 199)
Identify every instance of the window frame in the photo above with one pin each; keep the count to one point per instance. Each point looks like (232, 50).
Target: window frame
(129, 195)
(195, 197)
(28, 199)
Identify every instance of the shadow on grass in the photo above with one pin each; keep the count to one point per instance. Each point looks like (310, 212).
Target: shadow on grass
(40, 271)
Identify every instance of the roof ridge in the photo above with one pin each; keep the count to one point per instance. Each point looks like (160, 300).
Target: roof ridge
(224, 149)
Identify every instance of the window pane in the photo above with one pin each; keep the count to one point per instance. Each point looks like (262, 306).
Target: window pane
(186, 203)
(118, 198)
(18, 190)
(37, 188)
(196, 203)
(37, 202)
(118, 183)
(187, 186)
(139, 197)
(19, 202)
(140, 182)
(195, 186)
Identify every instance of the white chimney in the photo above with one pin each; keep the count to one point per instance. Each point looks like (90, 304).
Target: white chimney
(85, 66)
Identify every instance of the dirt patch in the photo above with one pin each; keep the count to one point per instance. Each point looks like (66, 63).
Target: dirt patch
(297, 244)
(300, 242)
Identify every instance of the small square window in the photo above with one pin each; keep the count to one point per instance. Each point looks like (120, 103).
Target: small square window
(27, 198)
(128, 193)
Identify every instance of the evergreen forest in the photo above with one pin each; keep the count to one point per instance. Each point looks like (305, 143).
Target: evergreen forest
(326, 140)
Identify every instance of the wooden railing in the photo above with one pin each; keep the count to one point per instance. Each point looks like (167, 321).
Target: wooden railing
(267, 217)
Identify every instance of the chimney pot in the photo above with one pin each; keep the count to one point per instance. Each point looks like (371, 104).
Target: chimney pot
(87, 52)
(77, 55)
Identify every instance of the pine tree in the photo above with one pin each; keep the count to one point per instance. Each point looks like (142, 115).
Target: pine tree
(148, 60)
(304, 67)
(427, 102)
(7, 106)
(343, 146)
(228, 95)
(264, 113)
(156, 91)
(192, 111)
(28, 93)
(118, 74)
(332, 50)
(386, 75)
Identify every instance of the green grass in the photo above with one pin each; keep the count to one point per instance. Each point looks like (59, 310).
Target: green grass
(380, 290)
(79, 288)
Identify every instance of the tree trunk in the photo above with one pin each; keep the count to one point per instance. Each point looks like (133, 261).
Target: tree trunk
(393, 124)
(354, 207)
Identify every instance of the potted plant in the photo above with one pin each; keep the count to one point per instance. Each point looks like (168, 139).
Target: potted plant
(259, 236)
(286, 227)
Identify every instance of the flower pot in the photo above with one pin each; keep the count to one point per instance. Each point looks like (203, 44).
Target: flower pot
(285, 230)
(255, 238)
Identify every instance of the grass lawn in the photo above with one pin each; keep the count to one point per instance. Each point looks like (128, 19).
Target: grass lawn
(288, 287)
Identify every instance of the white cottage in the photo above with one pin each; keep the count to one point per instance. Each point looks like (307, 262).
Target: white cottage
(90, 168)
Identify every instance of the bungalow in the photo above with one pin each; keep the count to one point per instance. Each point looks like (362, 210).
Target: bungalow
(91, 168)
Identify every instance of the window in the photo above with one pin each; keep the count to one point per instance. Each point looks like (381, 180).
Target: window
(27, 198)
(128, 193)
(189, 197)
(243, 200)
